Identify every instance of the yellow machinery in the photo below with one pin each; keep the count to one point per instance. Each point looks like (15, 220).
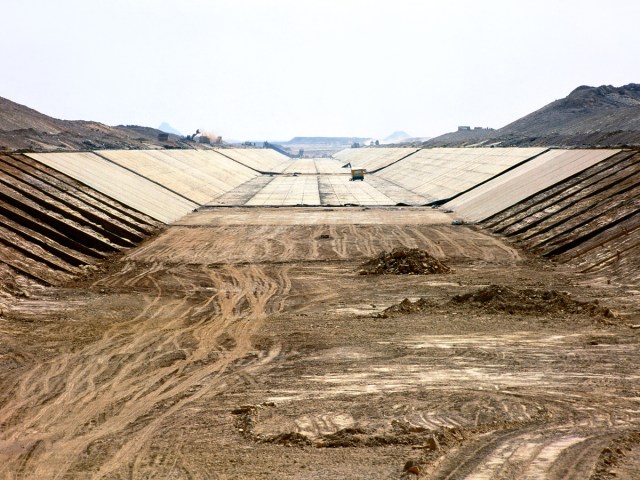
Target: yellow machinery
(358, 174)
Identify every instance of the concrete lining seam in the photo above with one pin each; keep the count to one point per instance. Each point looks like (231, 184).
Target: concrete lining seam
(146, 178)
(508, 169)
(396, 161)
(546, 195)
(95, 192)
(240, 163)
(550, 187)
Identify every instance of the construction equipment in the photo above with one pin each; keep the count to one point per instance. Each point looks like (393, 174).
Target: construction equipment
(358, 174)
(193, 137)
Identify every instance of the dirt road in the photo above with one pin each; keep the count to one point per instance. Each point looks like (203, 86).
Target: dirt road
(243, 343)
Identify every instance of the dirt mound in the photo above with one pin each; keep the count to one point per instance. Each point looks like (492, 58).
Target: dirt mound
(404, 261)
(496, 298)
(407, 306)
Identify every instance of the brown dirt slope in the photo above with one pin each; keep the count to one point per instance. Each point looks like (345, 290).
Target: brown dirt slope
(22, 128)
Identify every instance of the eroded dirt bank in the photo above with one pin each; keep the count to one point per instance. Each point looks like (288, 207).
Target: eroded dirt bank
(244, 344)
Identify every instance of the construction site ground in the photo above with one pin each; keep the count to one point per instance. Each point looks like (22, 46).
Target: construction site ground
(242, 343)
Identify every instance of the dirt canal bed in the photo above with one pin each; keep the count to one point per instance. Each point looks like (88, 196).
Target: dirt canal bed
(244, 343)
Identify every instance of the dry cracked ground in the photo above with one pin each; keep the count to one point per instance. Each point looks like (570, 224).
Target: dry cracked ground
(244, 344)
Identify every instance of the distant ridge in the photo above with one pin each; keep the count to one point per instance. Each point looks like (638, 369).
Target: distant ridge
(166, 128)
(23, 128)
(588, 116)
(14, 116)
(326, 140)
(397, 136)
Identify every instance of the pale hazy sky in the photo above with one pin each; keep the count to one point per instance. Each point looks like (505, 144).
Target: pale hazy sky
(274, 69)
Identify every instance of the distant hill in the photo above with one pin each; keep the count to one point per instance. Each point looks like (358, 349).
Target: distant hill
(320, 146)
(165, 127)
(588, 116)
(325, 140)
(462, 138)
(23, 128)
(397, 137)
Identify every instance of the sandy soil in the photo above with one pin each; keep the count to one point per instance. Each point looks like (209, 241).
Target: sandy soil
(247, 346)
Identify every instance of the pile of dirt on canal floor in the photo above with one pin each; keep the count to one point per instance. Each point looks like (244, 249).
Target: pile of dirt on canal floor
(404, 261)
(497, 298)
(504, 299)
(406, 307)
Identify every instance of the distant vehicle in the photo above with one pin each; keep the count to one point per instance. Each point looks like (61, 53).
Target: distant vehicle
(358, 174)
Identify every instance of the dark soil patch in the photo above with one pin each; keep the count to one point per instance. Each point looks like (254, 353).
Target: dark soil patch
(496, 298)
(404, 261)
(292, 439)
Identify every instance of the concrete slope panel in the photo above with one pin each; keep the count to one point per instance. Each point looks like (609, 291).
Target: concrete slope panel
(260, 159)
(442, 173)
(175, 176)
(275, 160)
(306, 166)
(330, 166)
(133, 218)
(242, 193)
(120, 184)
(288, 190)
(470, 169)
(396, 193)
(343, 155)
(50, 208)
(340, 190)
(224, 172)
(373, 159)
(526, 180)
(184, 177)
(589, 183)
(312, 166)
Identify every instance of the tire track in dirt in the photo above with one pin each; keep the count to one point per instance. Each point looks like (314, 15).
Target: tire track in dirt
(527, 453)
(564, 444)
(550, 420)
(97, 412)
(239, 331)
(294, 244)
(121, 389)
